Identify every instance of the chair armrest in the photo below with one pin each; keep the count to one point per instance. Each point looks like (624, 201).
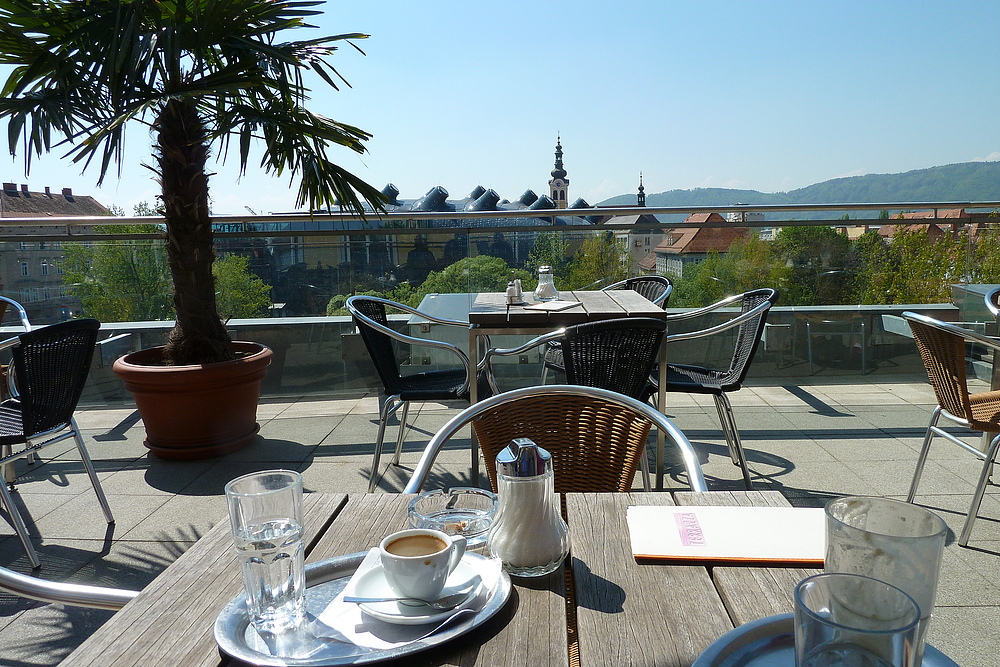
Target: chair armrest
(485, 364)
(76, 595)
(21, 313)
(729, 324)
(969, 335)
(673, 317)
(9, 343)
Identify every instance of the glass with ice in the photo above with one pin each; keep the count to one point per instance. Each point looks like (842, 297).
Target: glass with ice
(265, 509)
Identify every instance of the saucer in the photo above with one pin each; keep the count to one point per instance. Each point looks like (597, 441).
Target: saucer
(373, 584)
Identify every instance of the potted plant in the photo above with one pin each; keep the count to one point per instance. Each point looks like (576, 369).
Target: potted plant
(198, 73)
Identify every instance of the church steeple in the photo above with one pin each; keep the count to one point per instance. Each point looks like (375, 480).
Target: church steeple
(642, 192)
(559, 184)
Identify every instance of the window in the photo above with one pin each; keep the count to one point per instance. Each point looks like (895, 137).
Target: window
(25, 270)
(45, 268)
(25, 245)
(42, 245)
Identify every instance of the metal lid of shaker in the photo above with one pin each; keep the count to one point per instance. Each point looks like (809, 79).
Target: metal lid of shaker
(523, 458)
(545, 269)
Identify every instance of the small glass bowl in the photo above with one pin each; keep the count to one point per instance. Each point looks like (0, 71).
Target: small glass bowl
(460, 510)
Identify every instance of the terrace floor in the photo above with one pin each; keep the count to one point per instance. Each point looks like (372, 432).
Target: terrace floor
(809, 440)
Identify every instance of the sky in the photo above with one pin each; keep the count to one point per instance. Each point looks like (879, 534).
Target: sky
(766, 95)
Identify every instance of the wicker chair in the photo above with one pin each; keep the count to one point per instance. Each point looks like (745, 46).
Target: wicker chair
(754, 307)
(617, 354)
(51, 365)
(369, 315)
(655, 288)
(596, 436)
(942, 349)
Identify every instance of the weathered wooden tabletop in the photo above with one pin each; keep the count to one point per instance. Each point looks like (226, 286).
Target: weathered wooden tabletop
(623, 613)
(491, 309)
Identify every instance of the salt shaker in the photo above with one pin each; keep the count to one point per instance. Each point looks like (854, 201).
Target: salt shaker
(529, 535)
(546, 289)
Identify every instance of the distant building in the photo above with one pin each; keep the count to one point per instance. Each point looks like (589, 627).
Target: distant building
(641, 233)
(31, 271)
(958, 217)
(691, 245)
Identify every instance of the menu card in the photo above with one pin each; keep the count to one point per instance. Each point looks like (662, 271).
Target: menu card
(731, 535)
(553, 306)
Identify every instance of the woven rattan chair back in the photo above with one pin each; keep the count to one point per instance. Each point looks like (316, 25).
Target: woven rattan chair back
(595, 445)
(380, 346)
(616, 354)
(943, 354)
(52, 365)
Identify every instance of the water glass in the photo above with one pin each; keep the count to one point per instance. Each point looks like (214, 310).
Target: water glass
(895, 542)
(265, 509)
(846, 620)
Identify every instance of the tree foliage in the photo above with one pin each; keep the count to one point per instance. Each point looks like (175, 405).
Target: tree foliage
(200, 74)
(601, 260)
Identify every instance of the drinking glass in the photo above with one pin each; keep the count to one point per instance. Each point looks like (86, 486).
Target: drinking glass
(892, 541)
(265, 509)
(846, 620)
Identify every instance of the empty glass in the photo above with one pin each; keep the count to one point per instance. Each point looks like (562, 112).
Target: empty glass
(895, 542)
(846, 620)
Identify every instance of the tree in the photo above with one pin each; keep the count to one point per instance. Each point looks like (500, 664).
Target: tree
(750, 263)
(129, 280)
(549, 250)
(241, 293)
(600, 260)
(199, 73)
(120, 280)
(817, 258)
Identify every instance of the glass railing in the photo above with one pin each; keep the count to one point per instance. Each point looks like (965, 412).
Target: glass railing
(842, 282)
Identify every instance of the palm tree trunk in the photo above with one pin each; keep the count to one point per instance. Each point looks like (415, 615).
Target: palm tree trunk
(199, 336)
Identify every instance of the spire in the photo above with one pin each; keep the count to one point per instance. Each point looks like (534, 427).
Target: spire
(559, 184)
(559, 172)
(642, 192)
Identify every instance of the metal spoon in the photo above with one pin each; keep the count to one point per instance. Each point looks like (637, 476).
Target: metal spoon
(442, 603)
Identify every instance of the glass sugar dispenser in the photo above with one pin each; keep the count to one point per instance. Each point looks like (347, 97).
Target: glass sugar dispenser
(529, 535)
(546, 289)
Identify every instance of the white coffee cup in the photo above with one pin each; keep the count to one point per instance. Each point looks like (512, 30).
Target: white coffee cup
(417, 562)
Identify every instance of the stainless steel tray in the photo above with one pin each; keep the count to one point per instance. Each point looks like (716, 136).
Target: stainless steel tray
(324, 581)
(770, 642)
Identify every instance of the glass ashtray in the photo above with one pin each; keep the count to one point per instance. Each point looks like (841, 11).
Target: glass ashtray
(460, 510)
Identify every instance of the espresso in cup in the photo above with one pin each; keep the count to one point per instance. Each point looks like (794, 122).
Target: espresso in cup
(416, 545)
(417, 562)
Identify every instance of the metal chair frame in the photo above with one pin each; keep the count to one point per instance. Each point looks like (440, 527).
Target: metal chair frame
(36, 441)
(722, 405)
(692, 467)
(959, 400)
(393, 401)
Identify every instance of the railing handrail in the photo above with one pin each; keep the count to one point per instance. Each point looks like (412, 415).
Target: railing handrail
(375, 224)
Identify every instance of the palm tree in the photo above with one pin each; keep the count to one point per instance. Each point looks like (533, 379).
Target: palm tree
(198, 74)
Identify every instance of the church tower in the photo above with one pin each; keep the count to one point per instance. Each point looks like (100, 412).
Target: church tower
(559, 184)
(642, 192)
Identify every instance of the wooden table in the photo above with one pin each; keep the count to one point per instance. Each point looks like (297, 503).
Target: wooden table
(624, 613)
(491, 316)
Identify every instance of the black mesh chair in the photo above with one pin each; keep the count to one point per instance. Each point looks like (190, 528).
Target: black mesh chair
(369, 315)
(51, 365)
(754, 306)
(617, 355)
(656, 289)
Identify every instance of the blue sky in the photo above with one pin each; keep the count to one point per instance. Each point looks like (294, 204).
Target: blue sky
(765, 95)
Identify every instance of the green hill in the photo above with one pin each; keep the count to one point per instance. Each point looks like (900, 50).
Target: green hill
(968, 181)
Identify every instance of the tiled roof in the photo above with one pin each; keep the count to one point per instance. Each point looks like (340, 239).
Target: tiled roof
(21, 203)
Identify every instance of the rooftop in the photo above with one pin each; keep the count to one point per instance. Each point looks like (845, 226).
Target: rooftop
(809, 440)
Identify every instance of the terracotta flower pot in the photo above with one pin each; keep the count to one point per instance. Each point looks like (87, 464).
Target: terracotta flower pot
(194, 412)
